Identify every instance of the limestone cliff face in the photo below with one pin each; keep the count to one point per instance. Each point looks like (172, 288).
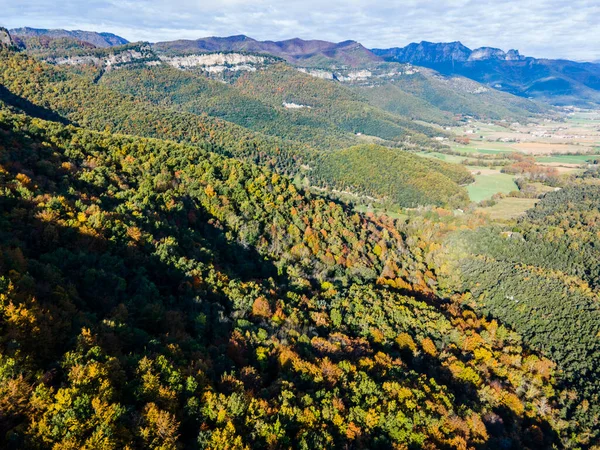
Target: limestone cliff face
(5, 39)
(489, 53)
(318, 73)
(486, 53)
(217, 62)
(361, 76)
(111, 60)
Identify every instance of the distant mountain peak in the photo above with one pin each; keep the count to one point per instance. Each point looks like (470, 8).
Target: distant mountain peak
(425, 52)
(102, 39)
(491, 53)
(558, 82)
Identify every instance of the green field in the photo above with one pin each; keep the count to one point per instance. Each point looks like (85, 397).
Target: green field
(509, 208)
(484, 148)
(442, 156)
(486, 186)
(567, 159)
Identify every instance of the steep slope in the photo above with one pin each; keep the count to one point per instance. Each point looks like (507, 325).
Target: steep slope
(425, 91)
(403, 178)
(437, 100)
(91, 37)
(30, 84)
(557, 82)
(5, 38)
(542, 276)
(155, 294)
(332, 115)
(426, 53)
(331, 102)
(186, 91)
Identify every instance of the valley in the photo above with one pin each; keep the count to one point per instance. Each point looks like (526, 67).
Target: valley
(227, 244)
(567, 146)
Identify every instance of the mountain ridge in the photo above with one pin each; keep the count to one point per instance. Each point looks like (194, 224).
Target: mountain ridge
(427, 52)
(553, 81)
(559, 82)
(295, 50)
(99, 39)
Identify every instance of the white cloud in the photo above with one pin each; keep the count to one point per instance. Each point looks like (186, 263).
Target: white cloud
(543, 28)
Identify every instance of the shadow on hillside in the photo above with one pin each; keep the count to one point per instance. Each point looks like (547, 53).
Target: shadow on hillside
(28, 107)
(146, 296)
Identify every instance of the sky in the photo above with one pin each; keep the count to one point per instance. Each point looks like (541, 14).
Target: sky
(540, 28)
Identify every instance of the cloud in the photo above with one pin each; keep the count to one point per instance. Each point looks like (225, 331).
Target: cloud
(543, 28)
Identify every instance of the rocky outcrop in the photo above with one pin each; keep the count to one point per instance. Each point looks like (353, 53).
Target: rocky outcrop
(429, 53)
(109, 59)
(489, 53)
(424, 53)
(5, 38)
(215, 63)
(354, 76)
(318, 73)
(485, 53)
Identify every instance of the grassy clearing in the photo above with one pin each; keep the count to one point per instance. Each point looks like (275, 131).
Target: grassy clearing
(567, 159)
(442, 156)
(488, 184)
(509, 208)
(481, 148)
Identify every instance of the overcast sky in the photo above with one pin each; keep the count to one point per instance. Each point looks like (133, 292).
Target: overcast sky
(542, 28)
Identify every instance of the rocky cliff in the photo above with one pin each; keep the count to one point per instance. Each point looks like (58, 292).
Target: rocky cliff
(5, 38)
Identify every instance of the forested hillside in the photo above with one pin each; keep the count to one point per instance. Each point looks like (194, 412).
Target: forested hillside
(423, 93)
(52, 92)
(156, 295)
(176, 272)
(331, 101)
(405, 179)
(168, 86)
(542, 277)
(321, 113)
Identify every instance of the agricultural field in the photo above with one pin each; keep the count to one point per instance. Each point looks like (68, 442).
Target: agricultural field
(489, 182)
(578, 133)
(509, 208)
(568, 159)
(443, 156)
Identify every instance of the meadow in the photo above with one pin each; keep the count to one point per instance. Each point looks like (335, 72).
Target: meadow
(490, 182)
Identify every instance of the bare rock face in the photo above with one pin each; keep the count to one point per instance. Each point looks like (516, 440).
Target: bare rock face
(111, 59)
(487, 53)
(514, 55)
(217, 62)
(5, 39)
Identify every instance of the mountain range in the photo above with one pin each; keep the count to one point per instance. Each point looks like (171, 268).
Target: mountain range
(295, 51)
(97, 39)
(557, 82)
